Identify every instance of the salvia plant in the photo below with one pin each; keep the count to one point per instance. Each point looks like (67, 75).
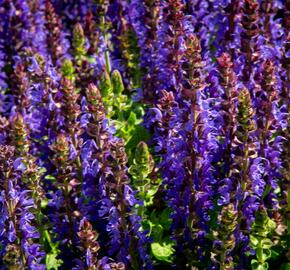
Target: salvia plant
(144, 134)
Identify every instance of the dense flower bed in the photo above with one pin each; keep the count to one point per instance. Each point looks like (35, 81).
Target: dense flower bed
(144, 134)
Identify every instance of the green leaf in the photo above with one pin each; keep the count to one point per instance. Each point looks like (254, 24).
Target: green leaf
(267, 190)
(140, 134)
(274, 254)
(162, 252)
(254, 263)
(44, 203)
(117, 124)
(106, 88)
(117, 82)
(53, 245)
(157, 232)
(271, 225)
(266, 243)
(254, 241)
(132, 119)
(133, 170)
(285, 266)
(149, 196)
(147, 225)
(153, 217)
(263, 266)
(259, 266)
(51, 261)
(91, 60)
(67, 68)
(45, 138)
(42, 170)
(263, 254)
(165, 219)
(49, 177)
(266, 265)
(78, 41)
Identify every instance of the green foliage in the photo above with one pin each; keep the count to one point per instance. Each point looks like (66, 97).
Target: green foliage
(51, 248)
(140, 171)
(131, 54)
(227, 223)
(77, 67)
(78, 42)
(162, 252)
(260, 240)
(143, 163)
(285, 266)
(115, 101)
(68, 69)
(50, 177)
(245, 114)
(117, 82)
(139, 134)
(127, 116)
(159, 224)
(123, 113)
(51, 260)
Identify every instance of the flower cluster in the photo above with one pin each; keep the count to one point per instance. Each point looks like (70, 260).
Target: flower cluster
(144, 134)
